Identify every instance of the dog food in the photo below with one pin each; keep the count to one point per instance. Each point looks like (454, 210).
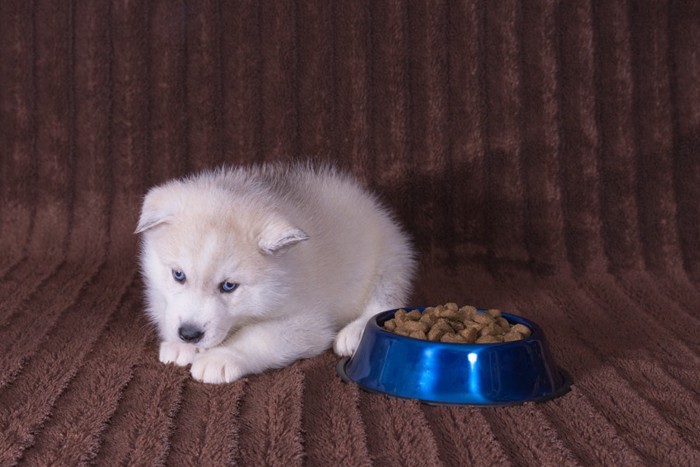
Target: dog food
(449, 323)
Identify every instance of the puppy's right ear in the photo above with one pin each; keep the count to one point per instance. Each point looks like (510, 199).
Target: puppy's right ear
(278, 236)
(157, 209)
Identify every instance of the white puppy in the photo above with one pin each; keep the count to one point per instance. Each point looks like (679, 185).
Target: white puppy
(252, 268)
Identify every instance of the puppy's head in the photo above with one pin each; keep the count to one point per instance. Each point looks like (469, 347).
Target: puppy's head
(212, 260)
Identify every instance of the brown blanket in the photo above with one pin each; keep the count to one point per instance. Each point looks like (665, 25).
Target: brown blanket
(543, 155)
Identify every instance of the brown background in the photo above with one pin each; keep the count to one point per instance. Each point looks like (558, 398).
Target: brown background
(544, 156)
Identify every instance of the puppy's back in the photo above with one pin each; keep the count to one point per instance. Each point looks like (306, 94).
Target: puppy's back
(353, 237)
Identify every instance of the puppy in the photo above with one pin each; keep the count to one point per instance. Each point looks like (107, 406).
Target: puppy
(248, 269)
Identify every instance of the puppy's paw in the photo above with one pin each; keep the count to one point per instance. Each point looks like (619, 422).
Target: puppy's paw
(216, 366)
(179, 353)
(348, 338)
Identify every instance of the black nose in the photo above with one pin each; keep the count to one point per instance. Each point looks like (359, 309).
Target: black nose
(190, 333)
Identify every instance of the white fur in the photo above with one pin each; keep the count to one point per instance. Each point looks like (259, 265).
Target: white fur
(313, 253)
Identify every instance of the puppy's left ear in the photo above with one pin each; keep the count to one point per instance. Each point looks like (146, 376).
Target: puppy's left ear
(278, 236)
(157, 209)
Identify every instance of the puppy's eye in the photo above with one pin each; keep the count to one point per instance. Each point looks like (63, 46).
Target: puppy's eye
(227, 287)
(179, 276)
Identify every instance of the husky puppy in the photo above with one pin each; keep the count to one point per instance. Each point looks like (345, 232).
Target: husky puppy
(252, 268)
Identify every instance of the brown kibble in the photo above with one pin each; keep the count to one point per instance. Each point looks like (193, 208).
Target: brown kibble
(512, 336)
(436, 333)
(444, 325)
(468, 323)
(461, 315)
(521, 329)
(452, 338)
(416, 326)
(449, 323)
(490, 330)
(489, 340)
(469, 334)
(494, 313)
(482, 318)
(449, 313)
(503, 323)
(413, 315)
(418, 335)
(427, 318)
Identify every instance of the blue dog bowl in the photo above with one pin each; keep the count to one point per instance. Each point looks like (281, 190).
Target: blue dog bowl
(441, 373)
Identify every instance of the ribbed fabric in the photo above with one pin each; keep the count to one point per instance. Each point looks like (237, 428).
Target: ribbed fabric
(543, 156)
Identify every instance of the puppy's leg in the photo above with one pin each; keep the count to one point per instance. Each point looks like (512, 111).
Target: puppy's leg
(390, 293)
(179, 353)
(348, 338)
(258, 347)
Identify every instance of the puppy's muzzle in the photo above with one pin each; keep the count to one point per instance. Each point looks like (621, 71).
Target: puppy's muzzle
(190, 333)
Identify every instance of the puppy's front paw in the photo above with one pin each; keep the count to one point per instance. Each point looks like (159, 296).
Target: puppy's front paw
(348, 338)
(179, 353)
(216, 366)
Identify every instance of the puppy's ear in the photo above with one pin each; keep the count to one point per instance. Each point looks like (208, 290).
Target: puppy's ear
(278, 236)
(157, 209)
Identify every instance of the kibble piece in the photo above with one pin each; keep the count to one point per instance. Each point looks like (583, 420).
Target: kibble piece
(512, 336)
(400, 315)
(469, 334)
(445, 324)
(413, 315)
(401, 331)
(460, 315)
(390, 325)
(416, 326)
(449, 313)
(482, 318)
(503, 323)
(452, 338)
(456, 325)
(521, 329)
(494, 313)
(468, 323)
(490, 330)
(489, 340)
(418, 335)
(438, 330)
(427, 318)
(435, 334)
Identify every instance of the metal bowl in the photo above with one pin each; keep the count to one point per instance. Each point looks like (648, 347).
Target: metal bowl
(440, 373)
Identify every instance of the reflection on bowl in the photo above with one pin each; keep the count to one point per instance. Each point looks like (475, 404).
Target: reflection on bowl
(464, 374)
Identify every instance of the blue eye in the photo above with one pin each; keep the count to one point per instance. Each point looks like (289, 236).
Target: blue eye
(178, 276)
(227, 287)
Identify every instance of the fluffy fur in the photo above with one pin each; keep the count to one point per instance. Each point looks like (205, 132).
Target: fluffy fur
(307, 251)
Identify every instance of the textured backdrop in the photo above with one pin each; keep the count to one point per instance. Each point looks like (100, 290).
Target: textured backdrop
(543, 155)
